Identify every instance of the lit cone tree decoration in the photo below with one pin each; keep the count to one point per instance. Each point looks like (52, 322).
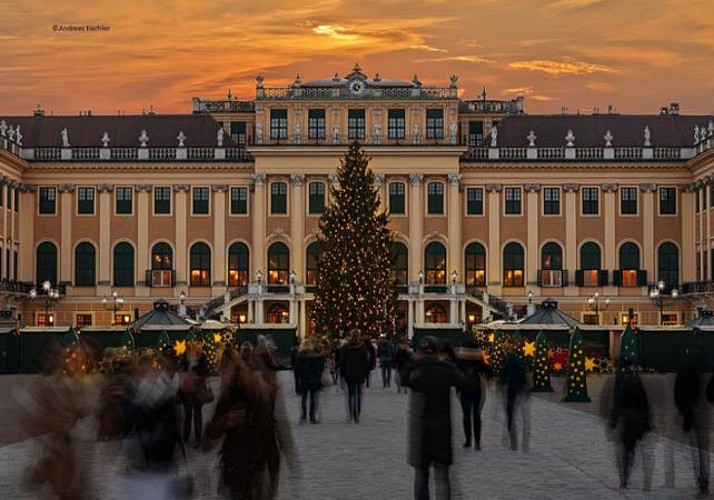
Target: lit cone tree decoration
(498, 354)
(541, 370)
(518, 346)
(354, 286)
(164, 341)
(577, 386)
(628, 346)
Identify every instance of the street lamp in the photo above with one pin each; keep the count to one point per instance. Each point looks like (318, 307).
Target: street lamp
(116, 301)
(530, 310)
(657, 296)
(51, 294)
(598, 303)
(182, 305)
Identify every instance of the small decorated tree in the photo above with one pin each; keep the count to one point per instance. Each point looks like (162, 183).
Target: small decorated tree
(628, 346)
(498, 353)
(541, 370)
(577, 387)
(164, 341)
(127, 340)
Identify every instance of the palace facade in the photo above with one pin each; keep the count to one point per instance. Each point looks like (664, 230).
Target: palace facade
(493, 209)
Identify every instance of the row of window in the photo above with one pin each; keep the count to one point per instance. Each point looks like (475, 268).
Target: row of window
(513, 200)
(10, 197)
(551, 273)
(10, 263)
(356, 124)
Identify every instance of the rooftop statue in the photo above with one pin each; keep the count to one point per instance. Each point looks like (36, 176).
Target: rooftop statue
(181, 138)
(143, 138)
(65, 137)
(105, 139)
(219, 137)
(494, 137)
(3, 128)
(608, 139)
(570, 139)
(647, 137)
(531, 139)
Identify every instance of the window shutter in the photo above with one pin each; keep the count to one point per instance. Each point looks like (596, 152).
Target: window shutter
(540, 277)
(579, 277)
(617, 277)
(602, 277)
(642, 277)
(565, 278)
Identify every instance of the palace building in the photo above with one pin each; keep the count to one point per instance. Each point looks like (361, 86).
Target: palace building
(493, 210)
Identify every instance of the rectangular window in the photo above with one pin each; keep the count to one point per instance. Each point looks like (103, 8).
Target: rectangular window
(162, 200)
(397, 204)
(435, 198)
(239, 201)
(667, 201)
(475, 134)
(200, 200)
(355, 124)
(316, 124)
(278, 124)
(474, 201)
(396, 123)
(124, 200)
(629, 277)
(85, 200)
(279, 198)
(590, 277)
(590, 319)
(435, 123)
(551, 201)
(238, 133)
(316, 203)
(48, 200)
(17, 200)
(513, 200)
(82, 320)
(628, 201)
(591, 200)
(45, 319)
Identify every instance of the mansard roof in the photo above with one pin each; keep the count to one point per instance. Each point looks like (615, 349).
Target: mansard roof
(200, 130)
(590, 130)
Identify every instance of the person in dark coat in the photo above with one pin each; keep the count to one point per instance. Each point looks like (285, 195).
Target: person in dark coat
(431, 377)
(470, 362)
(402, 357)
(688, 389)
(385, 355)
(293, 357)
(630, 416)
(372, 352)
(516, 389)
(354, 368)
(309, 365)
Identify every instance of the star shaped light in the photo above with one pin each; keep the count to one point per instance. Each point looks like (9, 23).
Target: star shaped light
(589, 364)
(529, 349)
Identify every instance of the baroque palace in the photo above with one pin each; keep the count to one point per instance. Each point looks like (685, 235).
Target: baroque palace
(493, 210)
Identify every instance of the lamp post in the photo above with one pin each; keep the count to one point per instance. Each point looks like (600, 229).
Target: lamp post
(658, 297)
(116, 301)
(51, 294)
(598, 303)
(530, 309)
(182, 304)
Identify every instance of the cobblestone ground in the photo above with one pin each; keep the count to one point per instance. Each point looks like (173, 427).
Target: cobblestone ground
(569, 456)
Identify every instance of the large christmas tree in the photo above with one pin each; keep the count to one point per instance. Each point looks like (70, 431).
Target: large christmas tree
(354, 286)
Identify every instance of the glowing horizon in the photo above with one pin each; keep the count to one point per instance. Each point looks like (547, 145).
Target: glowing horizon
(578, 54)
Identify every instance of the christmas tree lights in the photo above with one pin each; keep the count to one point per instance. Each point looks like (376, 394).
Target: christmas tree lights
(628, 346)
(577, 387)
(541, 370)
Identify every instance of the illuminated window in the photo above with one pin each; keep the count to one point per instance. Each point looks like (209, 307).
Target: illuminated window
(513, 265)
(435, 263)
(314, 251)
(589, 265)
(435, 313)
(278, 313)
(400, 263)
(475, 265)
(45, 319)
(629, 264)
(161, 265)
(82, 320)
(278, 264)
(200, 265)
(238, 259)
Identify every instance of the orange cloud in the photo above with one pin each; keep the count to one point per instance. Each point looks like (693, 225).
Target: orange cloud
(562, 67)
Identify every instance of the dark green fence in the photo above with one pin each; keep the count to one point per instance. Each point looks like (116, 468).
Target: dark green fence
(666, 351)
(456, 336)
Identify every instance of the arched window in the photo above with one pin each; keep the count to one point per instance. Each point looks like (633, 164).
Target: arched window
(162, 258)
(668, 264)
(200, 265)
(123, 264)
(629, 265)
(84, 264)
(238, 265)
(513, 265)
(314, 251)
(278, 264)
(475, 265)
(46, 264)
(590, 264)
(278, 313)
(435, 263)
(400, 263)
(551, 261)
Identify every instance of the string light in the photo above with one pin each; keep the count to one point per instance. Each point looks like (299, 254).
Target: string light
(541, 371)
(577, 390)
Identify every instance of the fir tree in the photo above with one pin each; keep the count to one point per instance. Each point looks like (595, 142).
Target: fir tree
(628, 346)
(498, 353)
(541, 371)
(354, 287)
(577, 386)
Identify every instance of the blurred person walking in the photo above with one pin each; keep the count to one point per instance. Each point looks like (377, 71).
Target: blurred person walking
(402, 357)
(194, 392)
(517, 400)
(309, 365)
(354, 367)
(470, 362)
(385, 353)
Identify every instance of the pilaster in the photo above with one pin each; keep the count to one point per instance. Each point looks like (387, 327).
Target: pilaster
(648, 233)
(688, 240)
(571, 234)
(297, 226)
(181, 221)
(454, 218)
(143, 217)
(64, 273)
(416, 224)
(258, 221)
(493, 276)
(609, 212)
(104, 254)
(219, 236)
(532, 216)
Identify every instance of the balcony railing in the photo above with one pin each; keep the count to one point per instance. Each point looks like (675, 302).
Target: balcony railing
(160, 278)
(552, 278)
(236, 154)
(223, 106)
(341, 93)
(328, 138)
(576, 154)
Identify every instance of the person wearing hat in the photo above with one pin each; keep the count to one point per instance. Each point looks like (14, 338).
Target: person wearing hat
(431, 378)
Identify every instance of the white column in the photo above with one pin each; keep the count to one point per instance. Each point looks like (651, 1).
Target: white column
(688, 237)
(454, 218)
(64, 273)
(260, 316)
(453, 311)
(258, 225)
(648, 231)
(251, 306)
(297, 225)
(410, 319)
(416, 225)
(302, 325)
(26, 235)
(219, 238)
(610, 213)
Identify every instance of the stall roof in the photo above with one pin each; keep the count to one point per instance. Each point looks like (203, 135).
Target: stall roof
(549, 314)
(161, 318)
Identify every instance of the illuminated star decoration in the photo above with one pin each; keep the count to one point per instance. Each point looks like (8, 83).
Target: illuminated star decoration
(529, 349)
(492, 337)
(180, 347)
(589, 364)
(557, 366)
(217, 337)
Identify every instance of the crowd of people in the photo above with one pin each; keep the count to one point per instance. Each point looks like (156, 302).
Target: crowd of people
(155, 406)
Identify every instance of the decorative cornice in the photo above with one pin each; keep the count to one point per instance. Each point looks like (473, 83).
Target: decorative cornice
(494, 188)
(105, 188)
(535, 187)
(29, 188)
(570, 187)
(66, 188)
(259, 179)
(648, 188)
(143, 188)
(297, 179)
(416, 179)
(219, 188)
(609, 187)
(181, 188)
(454, 179)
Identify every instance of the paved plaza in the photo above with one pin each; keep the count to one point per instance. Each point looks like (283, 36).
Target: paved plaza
(569, 456)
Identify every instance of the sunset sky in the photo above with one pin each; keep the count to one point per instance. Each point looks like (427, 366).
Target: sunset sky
(634, 54)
